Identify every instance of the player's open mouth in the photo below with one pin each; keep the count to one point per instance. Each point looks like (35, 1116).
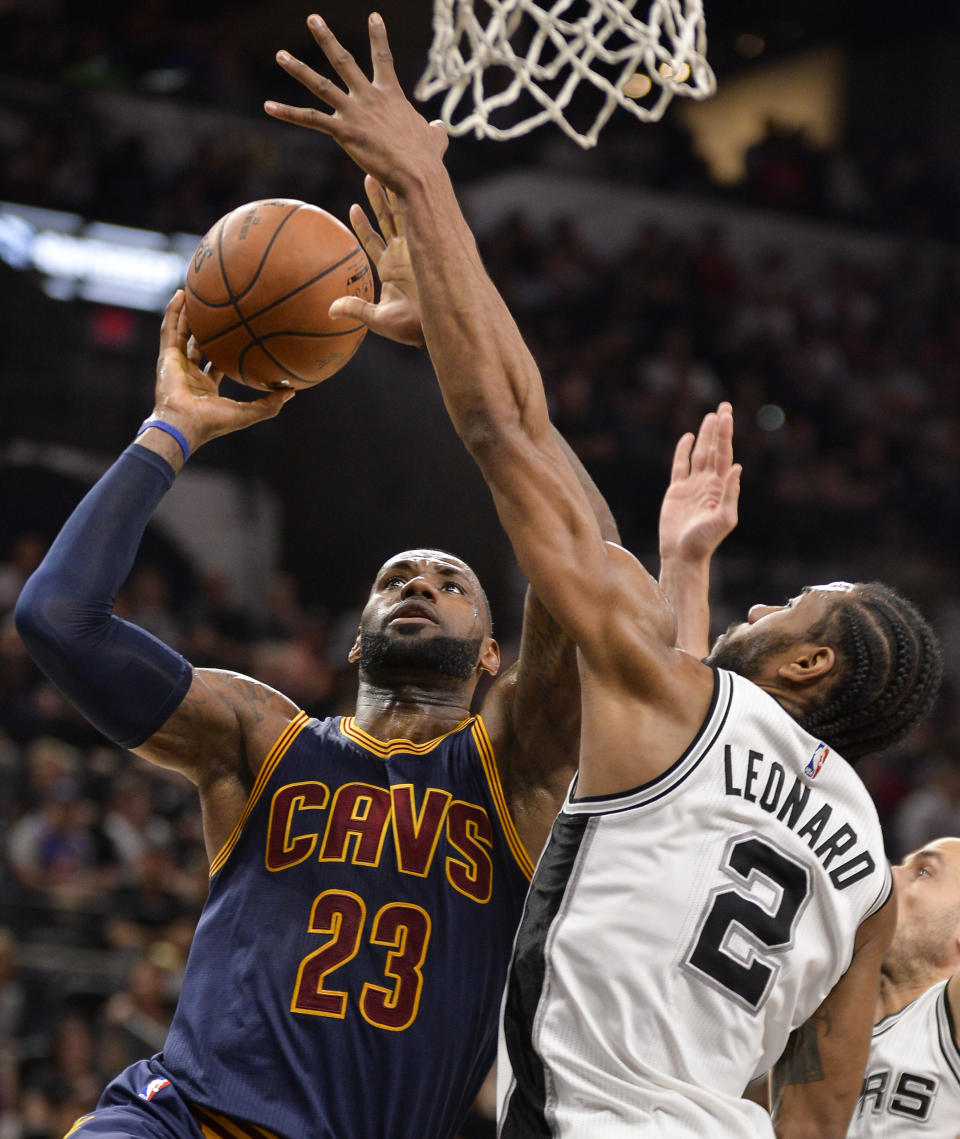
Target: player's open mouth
(412, 613)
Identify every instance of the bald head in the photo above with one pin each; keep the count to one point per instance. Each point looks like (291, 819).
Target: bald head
(411, 561)
(926, 944)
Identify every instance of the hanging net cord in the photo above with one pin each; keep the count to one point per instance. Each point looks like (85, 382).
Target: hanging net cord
(666, 54)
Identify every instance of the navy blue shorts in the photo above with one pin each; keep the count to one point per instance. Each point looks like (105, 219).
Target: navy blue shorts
(141, 1103)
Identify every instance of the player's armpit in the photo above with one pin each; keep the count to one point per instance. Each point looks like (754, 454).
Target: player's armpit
(532, 714)
(758, 1091)
(816, 1082)
(224, 726)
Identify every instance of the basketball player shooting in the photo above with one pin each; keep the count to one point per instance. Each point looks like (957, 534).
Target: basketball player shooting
(367, 871)
(276, 1028)
(714, 898)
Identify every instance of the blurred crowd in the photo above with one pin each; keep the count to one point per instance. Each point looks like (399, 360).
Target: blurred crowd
(846, 388)
(60, 147)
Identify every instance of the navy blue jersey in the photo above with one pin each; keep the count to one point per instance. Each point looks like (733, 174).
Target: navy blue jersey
(345, 976)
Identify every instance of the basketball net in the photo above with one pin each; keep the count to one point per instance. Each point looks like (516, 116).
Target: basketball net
(631, 64)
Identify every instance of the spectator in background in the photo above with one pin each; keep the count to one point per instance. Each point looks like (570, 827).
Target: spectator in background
(25, 555)
(13, 999)
(13, 1026)
(284, 613)
(932, 807)
(57, 851)
(131, 824)
(145, 601)
(49, 762)
(64, 1079)
(135, 1020)
(150, 905)
(220, 630)
(783, 171)
(297, 665)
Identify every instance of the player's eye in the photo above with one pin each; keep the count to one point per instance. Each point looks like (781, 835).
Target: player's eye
(452, 587)
(394, 579)
(923, 872)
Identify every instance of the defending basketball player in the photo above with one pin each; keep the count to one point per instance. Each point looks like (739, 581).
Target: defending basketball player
(912, 1082)
(714, 898)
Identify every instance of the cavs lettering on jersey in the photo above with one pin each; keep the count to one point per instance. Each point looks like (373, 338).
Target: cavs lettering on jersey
(912, 1085)
(674, 935)
(345, 975)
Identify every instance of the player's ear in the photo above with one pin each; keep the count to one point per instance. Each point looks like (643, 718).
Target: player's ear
(489, 660)
(354, 654)
(809, 664)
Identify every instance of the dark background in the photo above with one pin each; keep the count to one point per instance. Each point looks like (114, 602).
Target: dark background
(818, 290)
(368, 464)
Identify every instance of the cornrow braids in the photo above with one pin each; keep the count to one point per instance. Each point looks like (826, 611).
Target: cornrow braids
(889, 671)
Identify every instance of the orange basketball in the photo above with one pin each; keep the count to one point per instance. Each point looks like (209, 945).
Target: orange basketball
(258, 289)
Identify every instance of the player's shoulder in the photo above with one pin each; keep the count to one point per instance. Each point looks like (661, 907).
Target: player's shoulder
(501, 714)
(533, 748)
(245, 694)
(640, 600)
(523, 719)
(260, 713)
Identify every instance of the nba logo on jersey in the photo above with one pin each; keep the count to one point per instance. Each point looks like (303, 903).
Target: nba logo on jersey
(151, 1089)
(815, 762)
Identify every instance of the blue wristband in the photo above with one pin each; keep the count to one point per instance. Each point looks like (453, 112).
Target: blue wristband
(170, 430)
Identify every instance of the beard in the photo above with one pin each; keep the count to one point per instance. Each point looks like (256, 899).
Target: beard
(443, 656)
(746, 655)
(916, 954)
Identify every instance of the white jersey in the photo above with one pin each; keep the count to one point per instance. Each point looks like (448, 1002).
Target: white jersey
(674, 935)
(912, 1086)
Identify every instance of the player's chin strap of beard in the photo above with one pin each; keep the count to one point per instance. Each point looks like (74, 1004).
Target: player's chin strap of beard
(125, 681)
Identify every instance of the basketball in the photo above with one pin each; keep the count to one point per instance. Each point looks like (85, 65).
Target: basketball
(258, 289)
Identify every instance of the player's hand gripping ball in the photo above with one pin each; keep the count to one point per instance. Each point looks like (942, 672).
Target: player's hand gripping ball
(258, 289)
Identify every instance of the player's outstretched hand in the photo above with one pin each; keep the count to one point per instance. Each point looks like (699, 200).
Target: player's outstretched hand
(188, 397)
(397, 314)
(700, 507)
(372, 119)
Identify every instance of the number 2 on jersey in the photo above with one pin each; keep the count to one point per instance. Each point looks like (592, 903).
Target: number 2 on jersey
(763, 926)
(402, 929)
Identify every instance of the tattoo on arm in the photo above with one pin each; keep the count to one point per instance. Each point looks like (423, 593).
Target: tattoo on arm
(208, 732)
(545, 647)
(253, 695)
(801, 1063)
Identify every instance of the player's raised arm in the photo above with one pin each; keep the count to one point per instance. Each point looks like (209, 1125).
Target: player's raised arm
(533, 709)
(136, 690)
(490, 382)
(698, 511)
